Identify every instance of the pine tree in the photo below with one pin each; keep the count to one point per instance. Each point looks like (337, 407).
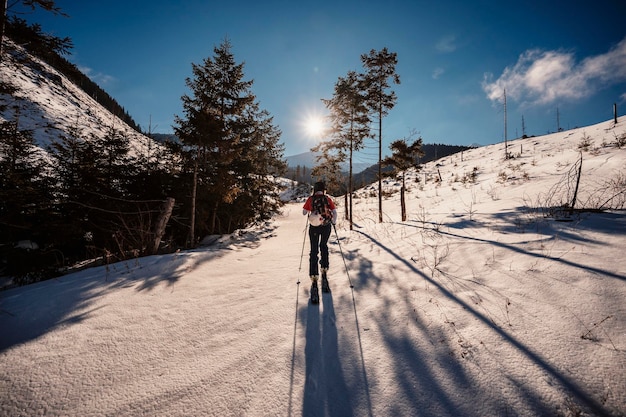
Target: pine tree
(5, 7)
(328, 168)
(115, 162)
(403, 157)
(20, 182)
(25, 199)
(380, 66)
(349, 122)
(219, 128)
(259, 162)
(73, 164)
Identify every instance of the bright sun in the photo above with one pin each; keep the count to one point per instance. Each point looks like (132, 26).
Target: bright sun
(314, 126)
(313, 123)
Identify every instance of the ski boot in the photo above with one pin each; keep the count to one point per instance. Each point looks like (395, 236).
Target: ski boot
(315, 294)
(325, 286)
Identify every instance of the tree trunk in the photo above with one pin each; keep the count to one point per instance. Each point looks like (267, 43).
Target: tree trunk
(192, 227)
(402, 202)
(164, 217)
(3, 18)
(380, 164)
(580, 170)
(214, 216)
(350, 184)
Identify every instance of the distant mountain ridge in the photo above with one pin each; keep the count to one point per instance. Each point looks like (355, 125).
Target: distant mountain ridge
(309, 160)
(300, 165)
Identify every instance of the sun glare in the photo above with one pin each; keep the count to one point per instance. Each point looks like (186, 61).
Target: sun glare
(312, 123)
(314, 126)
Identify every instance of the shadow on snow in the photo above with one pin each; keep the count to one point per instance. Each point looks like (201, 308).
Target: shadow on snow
(29, 312)
(423, 386)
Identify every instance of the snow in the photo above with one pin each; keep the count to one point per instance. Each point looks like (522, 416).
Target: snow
(48, 103)
(478, 305)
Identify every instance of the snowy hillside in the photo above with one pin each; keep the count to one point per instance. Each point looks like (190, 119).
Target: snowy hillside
(478, 305)
(47, 103)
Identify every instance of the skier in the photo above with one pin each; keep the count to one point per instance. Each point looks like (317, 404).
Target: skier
(322, 214)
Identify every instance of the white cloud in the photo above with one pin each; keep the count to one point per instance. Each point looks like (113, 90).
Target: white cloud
(98, 77)
(446, 44)
(543, 77)
(438, 72)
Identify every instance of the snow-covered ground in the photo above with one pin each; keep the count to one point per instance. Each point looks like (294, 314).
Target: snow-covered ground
(477, 305)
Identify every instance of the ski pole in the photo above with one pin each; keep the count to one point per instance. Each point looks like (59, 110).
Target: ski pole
(343, 257)
(303, 240)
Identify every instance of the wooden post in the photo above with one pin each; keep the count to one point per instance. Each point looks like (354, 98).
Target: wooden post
(506, 143)
(615, 113)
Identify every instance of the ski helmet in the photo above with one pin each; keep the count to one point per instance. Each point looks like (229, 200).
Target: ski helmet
(319, 186)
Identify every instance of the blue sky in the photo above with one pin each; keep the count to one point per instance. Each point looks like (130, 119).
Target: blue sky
(454, 59)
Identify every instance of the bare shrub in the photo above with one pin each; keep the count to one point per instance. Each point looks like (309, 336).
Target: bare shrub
(585, 143)
(493, 193)
(601, 194)
(620, 141)
(609, 194)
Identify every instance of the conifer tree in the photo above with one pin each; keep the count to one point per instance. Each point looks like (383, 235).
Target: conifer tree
(259, 161)
(5, 7)
(222, 127)
(349, 122)
(20, 182)
(380, 67)
(93, 177)
(114, 163)
(72, 164)
(403, 157)
(24, 201)
(328, 168)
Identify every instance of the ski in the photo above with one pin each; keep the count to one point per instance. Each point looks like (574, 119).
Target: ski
(315, 294)
(325, 286)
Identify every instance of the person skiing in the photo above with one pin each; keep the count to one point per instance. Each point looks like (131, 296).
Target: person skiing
(322, 214)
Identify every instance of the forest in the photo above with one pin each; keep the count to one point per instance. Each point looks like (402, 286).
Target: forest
(89, 198)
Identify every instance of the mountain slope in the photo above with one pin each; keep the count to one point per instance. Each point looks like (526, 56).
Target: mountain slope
(47, 103)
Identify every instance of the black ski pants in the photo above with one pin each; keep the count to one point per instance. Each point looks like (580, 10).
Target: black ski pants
(318, 235)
